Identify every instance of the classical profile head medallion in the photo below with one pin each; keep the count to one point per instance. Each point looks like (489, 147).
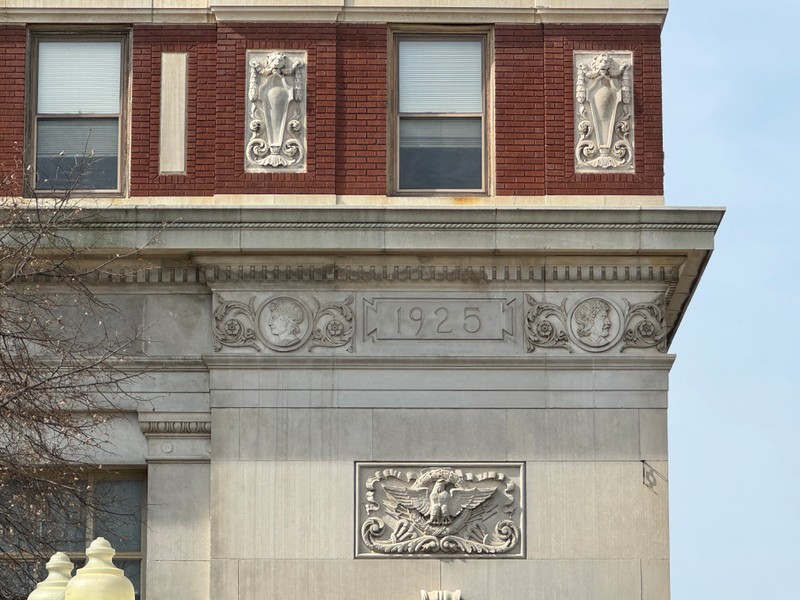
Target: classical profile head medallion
(284, 323)
(595, 324)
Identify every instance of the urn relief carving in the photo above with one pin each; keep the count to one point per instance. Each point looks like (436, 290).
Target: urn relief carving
(603, 112)
(276, 111)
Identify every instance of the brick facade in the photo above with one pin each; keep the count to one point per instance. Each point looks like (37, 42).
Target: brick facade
(12, 102)
(347, 103)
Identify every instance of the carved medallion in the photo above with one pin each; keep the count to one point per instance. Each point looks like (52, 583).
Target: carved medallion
(276, 111)
(603, 112)
(464, 510)
(595, 324)
(282, 324)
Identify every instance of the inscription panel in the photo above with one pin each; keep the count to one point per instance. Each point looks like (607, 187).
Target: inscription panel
(438, 319)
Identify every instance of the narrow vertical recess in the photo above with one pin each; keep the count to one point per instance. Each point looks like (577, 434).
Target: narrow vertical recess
(172, 146)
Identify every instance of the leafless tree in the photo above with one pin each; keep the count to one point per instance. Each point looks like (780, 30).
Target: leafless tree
(63, 374)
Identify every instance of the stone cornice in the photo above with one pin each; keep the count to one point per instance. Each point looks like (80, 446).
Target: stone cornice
(348, 11)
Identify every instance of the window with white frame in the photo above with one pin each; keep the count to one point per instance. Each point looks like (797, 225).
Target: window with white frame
(109, 505)
(440, 114)
(76, 108)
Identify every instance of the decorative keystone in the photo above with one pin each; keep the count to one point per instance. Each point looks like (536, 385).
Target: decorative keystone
(99, 579)
(59, 570)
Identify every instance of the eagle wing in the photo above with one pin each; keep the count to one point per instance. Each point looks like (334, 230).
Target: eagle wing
(462, 499)
(410, 498)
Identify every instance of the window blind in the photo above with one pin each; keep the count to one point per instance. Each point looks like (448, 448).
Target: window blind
(79, 77)
(441, 76)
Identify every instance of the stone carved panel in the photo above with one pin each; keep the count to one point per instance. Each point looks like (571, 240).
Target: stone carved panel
(276, 111)
(440, 595)
(438, 319)
(594, 324)
(603, 112)
(435, 511)
(282, 323)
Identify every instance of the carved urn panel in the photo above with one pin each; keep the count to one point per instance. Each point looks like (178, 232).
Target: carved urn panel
(431, 510)
(276, 111)
(604, 112)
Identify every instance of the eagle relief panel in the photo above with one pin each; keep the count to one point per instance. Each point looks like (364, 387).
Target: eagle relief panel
(434, 510)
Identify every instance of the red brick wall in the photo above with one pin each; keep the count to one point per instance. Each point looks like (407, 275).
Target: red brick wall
(346, 101)
(520, 94)
(644, 42)
(200, 44)
(12, 101)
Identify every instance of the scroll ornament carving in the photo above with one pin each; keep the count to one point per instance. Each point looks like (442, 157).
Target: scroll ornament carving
(439, 510)
(546, 325)
(604, 112)
(277, 113)
(594, 324)
(644, 326)
(283, 324)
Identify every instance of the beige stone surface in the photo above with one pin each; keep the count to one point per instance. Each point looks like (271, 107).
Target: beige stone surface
(178, 580)
(655, 579)
(347, 578)
(173, 116)
(595, 510)
(178, 516)
(544, 579)
(286, 509)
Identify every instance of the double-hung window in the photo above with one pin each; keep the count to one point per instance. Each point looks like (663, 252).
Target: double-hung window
(440, 111)
(77, 116)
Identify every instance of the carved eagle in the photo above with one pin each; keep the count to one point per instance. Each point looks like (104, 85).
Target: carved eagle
(438, 504)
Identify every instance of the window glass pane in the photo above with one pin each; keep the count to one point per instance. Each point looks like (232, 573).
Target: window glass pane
(441, 76)
(120, 520)
(441, 154)
(133, 571)
(76, 152)
(79, 77)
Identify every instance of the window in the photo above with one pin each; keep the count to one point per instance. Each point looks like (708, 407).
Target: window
(440, 114)
(111, 507)
(76, 112)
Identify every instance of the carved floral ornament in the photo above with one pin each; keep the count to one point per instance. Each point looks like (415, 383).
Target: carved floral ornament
(282, 324)
(603, 112)
(276, 111)
(434, 511)
(595, 324)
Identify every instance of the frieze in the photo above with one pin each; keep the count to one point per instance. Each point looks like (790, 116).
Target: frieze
(594, 324)
(283, 323)
(603, 112)
(170, 428)
(434, 511)
(276, 111)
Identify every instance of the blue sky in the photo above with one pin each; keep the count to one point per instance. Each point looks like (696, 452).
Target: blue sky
(731, 79)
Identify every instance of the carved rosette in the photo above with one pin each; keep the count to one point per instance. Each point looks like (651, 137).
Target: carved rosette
(603, 112)
(545, 325)
(594, 324)
(442, 511)
(276, 111)
(644, 326)
(283, 324)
